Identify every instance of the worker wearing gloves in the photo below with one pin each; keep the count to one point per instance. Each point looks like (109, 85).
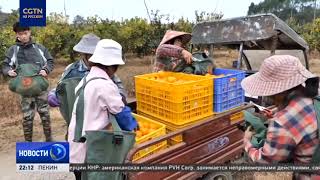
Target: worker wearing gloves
(171, 55)
(292, 134)
(101, 98)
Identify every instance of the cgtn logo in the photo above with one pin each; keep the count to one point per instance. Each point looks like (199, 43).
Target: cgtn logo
(33, 12)
(42, 156)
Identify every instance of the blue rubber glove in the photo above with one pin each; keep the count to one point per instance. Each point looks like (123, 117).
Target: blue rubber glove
(125, 119)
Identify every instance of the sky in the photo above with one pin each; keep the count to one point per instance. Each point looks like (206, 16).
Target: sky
(118, 9)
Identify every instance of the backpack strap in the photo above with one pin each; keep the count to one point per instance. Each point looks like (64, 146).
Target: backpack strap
(68, 70)
(14, 59)
(316, 155)
(41, 53)
(80, 110)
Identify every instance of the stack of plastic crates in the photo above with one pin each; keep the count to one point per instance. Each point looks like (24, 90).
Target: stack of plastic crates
(176, 98)
(153, 130)
(234, 118)
(228, 92)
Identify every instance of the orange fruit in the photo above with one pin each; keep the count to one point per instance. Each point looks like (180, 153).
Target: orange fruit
(144, 131)
(180, 81)
(153, 126)
(141, 125)
(138, 134)
(161, 74)
(171, 79)
(146, 126)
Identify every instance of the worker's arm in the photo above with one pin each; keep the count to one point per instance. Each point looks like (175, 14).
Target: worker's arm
(168, 56)
(111, 100)
(6, 64)
(168, 50)
(278, 145)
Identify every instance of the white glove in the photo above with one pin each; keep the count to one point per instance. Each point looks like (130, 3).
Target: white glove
(12, 73)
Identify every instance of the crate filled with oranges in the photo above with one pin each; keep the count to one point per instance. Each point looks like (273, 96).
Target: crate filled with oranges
(177, 98)
(148, 130)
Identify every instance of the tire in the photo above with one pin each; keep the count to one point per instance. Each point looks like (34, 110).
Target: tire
(218, 176)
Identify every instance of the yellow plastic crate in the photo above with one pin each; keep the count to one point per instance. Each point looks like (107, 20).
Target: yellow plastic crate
(160, 130)
(176, 139)
(185, 100)
(172, 127)
(172, 142)
(234, 118)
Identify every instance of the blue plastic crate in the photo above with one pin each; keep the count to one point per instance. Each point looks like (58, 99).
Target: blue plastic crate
(228, 92)
(218, 98)
(227, 105)
(231, 80)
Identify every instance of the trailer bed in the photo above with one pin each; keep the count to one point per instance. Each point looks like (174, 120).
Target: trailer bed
(215, 140)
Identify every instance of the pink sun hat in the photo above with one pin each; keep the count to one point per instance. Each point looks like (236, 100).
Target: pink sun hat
(277, 74)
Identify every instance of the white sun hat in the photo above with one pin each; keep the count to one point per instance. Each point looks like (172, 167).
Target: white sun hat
(87, 44)
(108, 52)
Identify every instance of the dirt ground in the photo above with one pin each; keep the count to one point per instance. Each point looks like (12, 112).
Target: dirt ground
(11, 127)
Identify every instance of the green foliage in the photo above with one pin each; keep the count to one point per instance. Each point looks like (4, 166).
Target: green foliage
(5, 40)
(302, 10)
(311, 33)
(58, 36)
(204, 16)
(136, 35)
(300, 15)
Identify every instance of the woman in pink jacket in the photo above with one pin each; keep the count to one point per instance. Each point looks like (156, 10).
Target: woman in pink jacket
(101, 97)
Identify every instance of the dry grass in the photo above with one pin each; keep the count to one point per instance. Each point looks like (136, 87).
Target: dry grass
(133, 67)
(224, 59)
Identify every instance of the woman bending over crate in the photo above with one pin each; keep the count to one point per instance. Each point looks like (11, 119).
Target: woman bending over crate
(171, 55)
(171, 51)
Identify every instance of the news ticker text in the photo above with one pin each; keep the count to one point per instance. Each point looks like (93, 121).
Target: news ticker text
(217, 168)
(35, 167)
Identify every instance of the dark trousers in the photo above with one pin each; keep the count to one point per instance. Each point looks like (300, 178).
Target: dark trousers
(77, 174)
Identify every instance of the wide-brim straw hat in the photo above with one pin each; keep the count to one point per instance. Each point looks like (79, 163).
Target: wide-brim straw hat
(277, 74)
(185, 37)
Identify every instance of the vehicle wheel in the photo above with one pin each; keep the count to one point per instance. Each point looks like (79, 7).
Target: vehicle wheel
(218, 176)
